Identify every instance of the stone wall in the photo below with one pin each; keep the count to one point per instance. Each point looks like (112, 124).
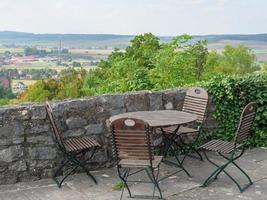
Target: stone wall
(27, 150)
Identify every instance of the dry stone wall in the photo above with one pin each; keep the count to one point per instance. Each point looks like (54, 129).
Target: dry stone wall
(27, 150)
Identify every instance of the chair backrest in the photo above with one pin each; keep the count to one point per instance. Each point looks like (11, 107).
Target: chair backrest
(246, 121)
(195, 102)
(57, 135)
(131, 139)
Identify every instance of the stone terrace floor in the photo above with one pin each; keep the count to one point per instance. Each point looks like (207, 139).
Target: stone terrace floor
(79, 187)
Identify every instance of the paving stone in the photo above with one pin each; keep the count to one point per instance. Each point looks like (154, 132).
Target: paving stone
(178, 186)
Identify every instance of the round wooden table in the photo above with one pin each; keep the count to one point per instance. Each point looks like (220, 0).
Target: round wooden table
(159, 118)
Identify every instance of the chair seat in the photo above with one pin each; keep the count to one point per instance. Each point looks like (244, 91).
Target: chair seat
(78, 144)
(220, 146)
(182, 130)
(141, 163)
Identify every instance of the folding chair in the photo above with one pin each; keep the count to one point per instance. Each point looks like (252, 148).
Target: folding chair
(133, 150)
(73, 149)
(230, 150)
(195, 102)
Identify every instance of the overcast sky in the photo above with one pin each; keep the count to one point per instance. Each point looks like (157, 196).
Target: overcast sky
(161, 17)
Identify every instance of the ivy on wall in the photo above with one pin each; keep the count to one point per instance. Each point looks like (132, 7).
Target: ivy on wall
(230, 95)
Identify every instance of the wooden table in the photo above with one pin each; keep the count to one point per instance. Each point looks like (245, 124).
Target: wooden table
(159, 118)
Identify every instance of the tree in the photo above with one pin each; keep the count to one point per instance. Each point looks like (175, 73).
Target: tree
(33, 51)
(76, 64)
(148, 64)
(200, 52)
(5, 93)
(28, 51)
(142, 49)
(42, 90)
(65, 51)
(68, 86)
(233, 60)
(179, 62)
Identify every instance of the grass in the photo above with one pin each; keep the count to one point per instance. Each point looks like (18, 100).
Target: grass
(118, 186)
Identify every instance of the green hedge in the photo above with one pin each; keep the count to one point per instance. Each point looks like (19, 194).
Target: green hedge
(230, 95)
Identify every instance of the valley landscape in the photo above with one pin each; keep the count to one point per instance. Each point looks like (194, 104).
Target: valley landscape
(25, 57)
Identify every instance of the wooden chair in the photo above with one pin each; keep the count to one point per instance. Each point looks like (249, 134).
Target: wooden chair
(195, 102)
(230, 150)
(73, 149)
(133, 150)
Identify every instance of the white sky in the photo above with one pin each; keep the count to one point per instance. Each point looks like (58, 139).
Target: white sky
(161, 17)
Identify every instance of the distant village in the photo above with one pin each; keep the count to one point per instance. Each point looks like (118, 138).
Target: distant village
(19, 70)
(12, 68)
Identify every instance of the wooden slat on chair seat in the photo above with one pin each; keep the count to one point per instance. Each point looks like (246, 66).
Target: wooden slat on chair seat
(220, 146)
(78, 144)
(141, 163)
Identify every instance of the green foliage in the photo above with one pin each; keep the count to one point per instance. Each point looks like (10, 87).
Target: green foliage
(125, 71)
(4, 102)
(230, 95)
(148, 65)
(76, 64)
(118, 186)
(68, 86)
(178, 63)
(37, 74)
(41, 91)
(5, 93)
(264, 67)
(232, 60)
(33, 51)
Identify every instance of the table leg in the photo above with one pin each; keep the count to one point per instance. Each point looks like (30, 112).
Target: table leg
(169, 141)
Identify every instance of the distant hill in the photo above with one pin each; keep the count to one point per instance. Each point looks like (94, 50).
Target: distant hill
(69, 40)
(103, 40)
(252, 37)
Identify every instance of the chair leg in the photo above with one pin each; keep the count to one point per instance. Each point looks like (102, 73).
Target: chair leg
(181, 164)
(60, 169)
(80, 164)
(124, 177)
(222, 169)
(72, 158)
(68, 174)
(215, 172)
(154, 179)
(190, 148)
(250, 181)
(169, 148)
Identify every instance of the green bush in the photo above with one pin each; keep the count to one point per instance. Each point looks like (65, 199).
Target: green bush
(4, 102)
(230, 95)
